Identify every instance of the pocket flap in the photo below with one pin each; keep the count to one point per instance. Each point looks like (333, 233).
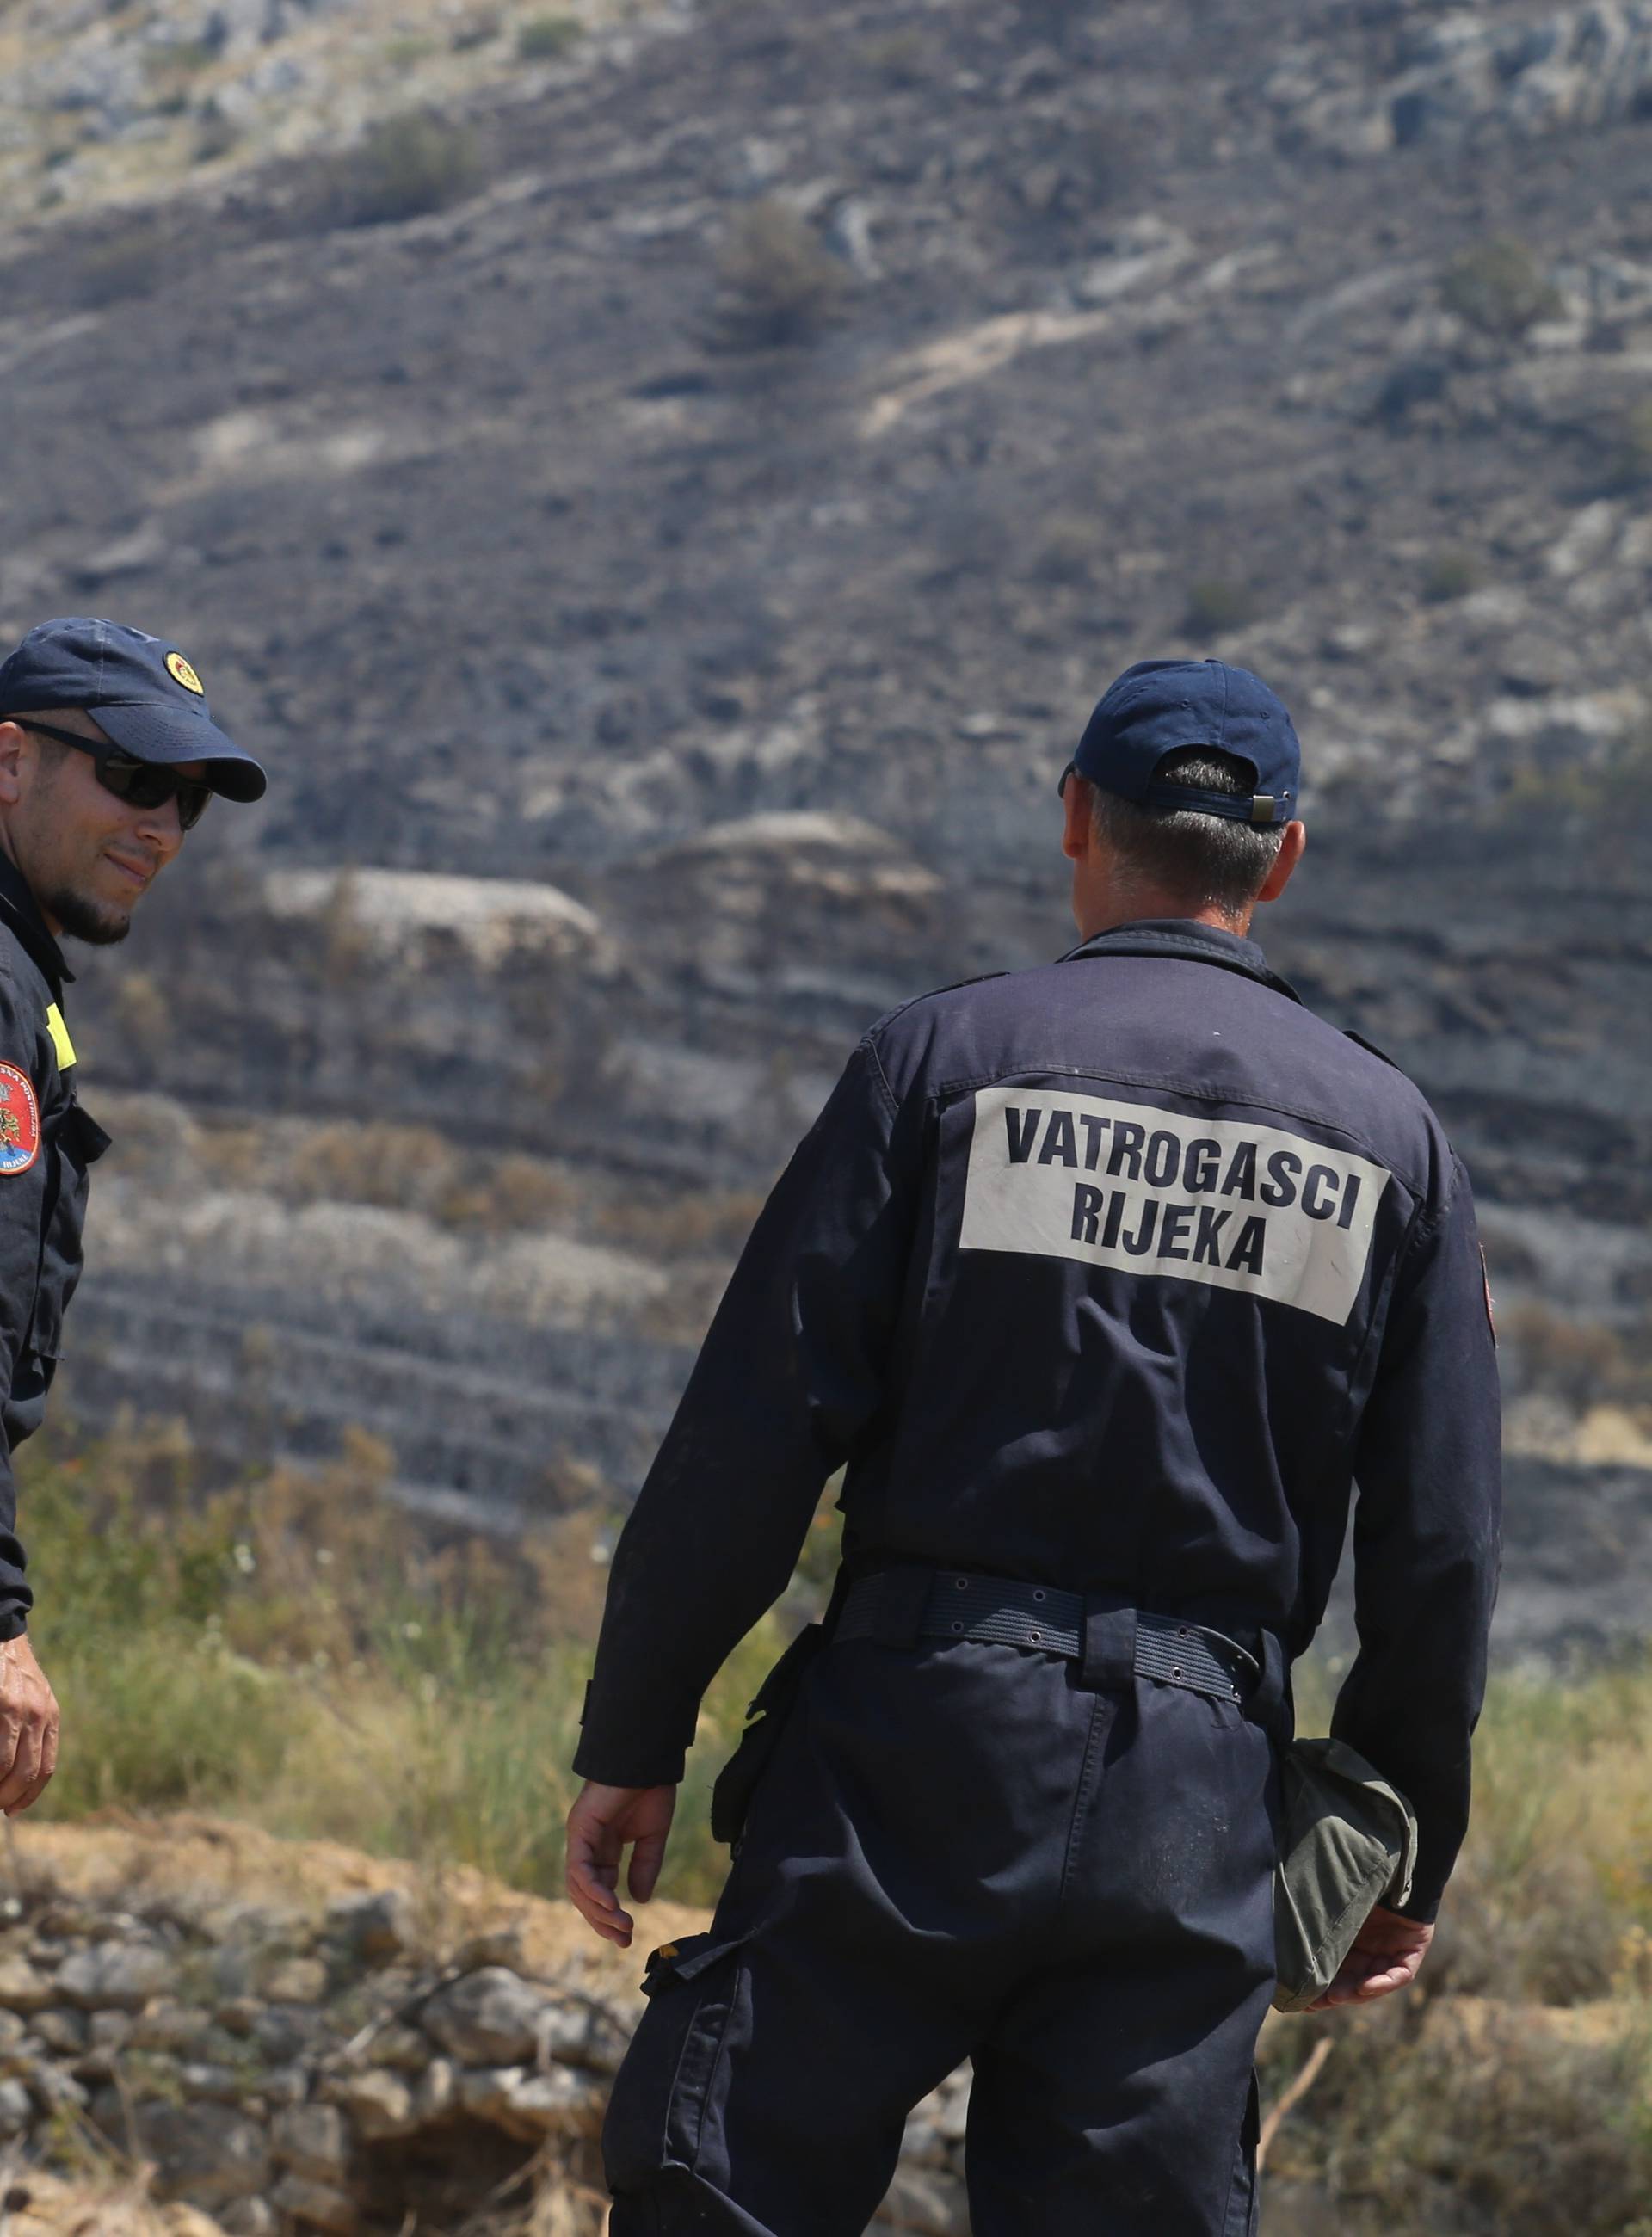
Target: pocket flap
(686, 1960)
(87, 1138)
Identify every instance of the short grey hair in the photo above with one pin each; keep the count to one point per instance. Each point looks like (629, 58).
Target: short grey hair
(1209, 862)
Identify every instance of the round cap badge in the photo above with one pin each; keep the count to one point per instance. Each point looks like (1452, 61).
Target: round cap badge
(19, 1120)
(181, 672)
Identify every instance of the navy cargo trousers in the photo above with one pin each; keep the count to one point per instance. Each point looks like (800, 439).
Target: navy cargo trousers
(961, 1850)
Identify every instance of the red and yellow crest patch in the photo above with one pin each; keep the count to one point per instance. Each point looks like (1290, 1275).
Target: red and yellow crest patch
(19, 1120)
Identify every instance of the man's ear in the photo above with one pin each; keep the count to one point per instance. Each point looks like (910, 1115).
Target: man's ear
(16, 752)
(1075, 830)
(1293, 840)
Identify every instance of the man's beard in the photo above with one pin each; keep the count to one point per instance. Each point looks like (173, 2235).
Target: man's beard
(84, 920)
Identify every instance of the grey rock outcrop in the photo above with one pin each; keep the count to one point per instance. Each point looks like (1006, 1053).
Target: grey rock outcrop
(398, 2087)
(114, 1977)
(490, 2018)
(1463, 74)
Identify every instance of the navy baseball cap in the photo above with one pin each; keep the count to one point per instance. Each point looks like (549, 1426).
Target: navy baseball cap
(1160, 706)
(139, 691)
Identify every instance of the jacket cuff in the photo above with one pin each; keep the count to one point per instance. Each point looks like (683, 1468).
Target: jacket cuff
(1422, 1910)
(616, 1765)
(620, 1747)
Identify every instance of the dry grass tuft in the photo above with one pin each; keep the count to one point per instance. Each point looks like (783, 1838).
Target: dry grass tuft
(778, 287)
(294, 1651)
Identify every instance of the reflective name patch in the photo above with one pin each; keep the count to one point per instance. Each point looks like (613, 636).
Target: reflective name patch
(1062, 1175)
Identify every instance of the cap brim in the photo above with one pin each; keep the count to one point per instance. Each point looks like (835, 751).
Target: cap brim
(155, 732)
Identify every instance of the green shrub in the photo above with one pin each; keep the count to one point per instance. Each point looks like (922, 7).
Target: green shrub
(1215, 605)
(1056, 20)
(406, 53)
(1069, 552)
(156, 1726)
(121, 267)
(777, 286)
(407, 167)
(217, 134)
(159, 1712)
(183, 58)
(479, 30)
(1630, 445)
(900, 58)
(1100, 162)
(1450, 574)
(1499, 289)
(548, 38)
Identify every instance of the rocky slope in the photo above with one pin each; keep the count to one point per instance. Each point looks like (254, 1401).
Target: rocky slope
(156, 96)
(269, 2039)
(207, 2033)
(665, 518)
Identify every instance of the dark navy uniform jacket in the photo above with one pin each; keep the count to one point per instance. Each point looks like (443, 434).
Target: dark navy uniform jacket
(48, 1145)
(1116, 1274)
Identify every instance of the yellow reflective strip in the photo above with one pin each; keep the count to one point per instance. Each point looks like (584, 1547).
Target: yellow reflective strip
(60, 1039)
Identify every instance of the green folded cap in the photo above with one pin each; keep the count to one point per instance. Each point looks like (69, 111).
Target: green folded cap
(1349, 1844)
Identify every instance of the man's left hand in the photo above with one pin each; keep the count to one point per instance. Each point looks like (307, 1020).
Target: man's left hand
(28, 1728)
(1387, 1952)
(604, 1822)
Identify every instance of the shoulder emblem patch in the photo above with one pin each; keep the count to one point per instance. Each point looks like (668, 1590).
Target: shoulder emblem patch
(19, 1120)
(181, 672)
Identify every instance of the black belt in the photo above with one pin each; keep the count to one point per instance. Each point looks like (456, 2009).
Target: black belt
(907, 1604)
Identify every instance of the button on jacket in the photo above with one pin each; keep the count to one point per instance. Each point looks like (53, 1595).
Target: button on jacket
(48, 1145)
(1119, 1274)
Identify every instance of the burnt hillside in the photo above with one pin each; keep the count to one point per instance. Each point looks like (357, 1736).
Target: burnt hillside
(771, 414)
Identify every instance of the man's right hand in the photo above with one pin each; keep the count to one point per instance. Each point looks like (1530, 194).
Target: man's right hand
(604, 1822)
(1387, 1952)
(28, 1728)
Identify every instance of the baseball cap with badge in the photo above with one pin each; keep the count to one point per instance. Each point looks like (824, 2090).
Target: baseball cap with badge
(139, 690)
(1160, 706)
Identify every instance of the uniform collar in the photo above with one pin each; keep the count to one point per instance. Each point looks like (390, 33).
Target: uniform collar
(20, 913)
(1190, 941)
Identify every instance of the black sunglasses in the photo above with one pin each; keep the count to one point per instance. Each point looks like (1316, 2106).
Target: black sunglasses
(140, 784)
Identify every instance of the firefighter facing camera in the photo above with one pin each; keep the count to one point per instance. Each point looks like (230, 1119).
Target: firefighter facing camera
(109, 756)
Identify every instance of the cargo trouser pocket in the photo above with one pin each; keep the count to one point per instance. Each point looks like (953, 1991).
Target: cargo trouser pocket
(663, 2104)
